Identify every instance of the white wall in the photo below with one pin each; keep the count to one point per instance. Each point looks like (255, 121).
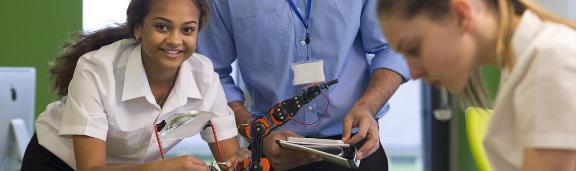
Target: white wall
(565, 8)
(97, 14)
(401, 128)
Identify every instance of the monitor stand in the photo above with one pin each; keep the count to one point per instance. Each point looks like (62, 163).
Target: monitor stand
(19, 141)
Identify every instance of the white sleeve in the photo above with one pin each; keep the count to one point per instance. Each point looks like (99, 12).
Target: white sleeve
(546, 99)
(83, 113)
(224, 121)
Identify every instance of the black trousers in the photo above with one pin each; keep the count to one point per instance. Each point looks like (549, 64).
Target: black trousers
(377, 161)
(37, 157)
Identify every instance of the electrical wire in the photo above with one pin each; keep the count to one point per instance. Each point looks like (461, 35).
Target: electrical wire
(322, 117)
(159, 142)
(219, 155)
(219, 152)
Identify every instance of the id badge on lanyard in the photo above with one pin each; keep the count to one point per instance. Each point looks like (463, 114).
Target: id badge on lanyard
(308, 71)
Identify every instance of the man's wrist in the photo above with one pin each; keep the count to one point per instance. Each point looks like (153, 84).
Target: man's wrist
(367, 104)
(240, 112)
(236, 106)
(383, 83)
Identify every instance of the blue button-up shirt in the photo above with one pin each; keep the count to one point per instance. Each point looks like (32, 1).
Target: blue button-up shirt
(264, 36)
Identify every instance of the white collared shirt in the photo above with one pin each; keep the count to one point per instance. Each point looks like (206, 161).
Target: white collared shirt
(109, 98)
(536, 104)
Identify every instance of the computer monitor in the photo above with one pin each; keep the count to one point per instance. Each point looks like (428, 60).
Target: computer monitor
(17, 93)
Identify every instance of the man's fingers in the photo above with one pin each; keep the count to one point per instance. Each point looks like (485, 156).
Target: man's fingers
(371, 144)
(303, 155)
(346, 129)
(271, 147)
(362, 131)
(365, 150)
(288, 154)
(284, 159)
(294, 162)
(293, 159)
(301, 161)
(289, 133)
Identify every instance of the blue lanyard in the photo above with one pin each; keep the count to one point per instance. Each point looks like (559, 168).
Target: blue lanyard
(304, 22)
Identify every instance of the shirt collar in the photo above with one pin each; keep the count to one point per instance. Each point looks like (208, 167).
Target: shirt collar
(135, 80)
(526, 31)
(186, 85)
(136, 83)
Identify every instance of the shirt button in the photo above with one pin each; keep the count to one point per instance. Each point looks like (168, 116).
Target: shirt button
(310, 108)
(303, 43)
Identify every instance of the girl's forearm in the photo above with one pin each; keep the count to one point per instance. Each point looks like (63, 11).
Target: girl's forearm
(549, 159)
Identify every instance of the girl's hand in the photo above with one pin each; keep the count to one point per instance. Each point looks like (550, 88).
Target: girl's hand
(184, 163)
(235, 160)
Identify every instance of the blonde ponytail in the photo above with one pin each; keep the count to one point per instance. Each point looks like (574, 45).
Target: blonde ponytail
(476, 93)
(505, 31)
(507, 9)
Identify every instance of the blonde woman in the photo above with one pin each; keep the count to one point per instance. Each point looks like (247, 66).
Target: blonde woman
(533, 126)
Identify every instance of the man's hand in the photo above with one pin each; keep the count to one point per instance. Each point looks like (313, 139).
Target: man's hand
(280, 158)
(240, 112)
(362, 118)
(284, 159)
(382, 85)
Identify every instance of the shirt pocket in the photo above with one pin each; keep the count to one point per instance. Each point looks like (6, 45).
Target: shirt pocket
(262, 39)
(127, 145)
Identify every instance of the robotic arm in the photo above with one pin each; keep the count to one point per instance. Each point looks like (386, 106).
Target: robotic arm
(282, 112)
(256, 128)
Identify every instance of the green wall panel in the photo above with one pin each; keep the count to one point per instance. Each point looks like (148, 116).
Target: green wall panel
(32, 33)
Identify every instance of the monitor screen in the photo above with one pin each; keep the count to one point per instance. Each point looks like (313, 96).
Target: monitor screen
(17, 93)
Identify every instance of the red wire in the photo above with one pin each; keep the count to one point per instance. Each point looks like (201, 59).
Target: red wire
(159, 143)
(315, 123)
(219, 155)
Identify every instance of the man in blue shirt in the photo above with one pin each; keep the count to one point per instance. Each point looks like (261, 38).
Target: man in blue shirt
(268, 37)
